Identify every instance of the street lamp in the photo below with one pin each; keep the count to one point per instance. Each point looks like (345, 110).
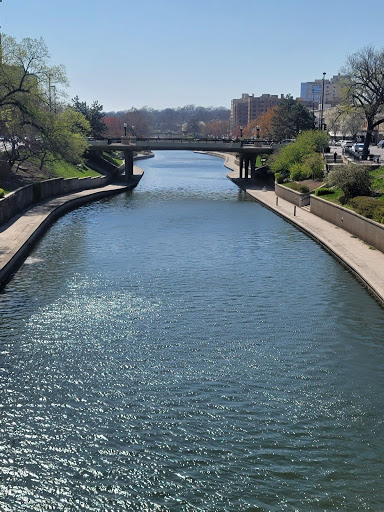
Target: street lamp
(241, 131)
(133, 131)
(322, 104)
(257, 131)
(125, 129)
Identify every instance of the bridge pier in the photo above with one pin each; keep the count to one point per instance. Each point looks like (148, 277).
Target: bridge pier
(128, 157)
(253, 166)
(241, 164)
(246, 160)
(246, 167)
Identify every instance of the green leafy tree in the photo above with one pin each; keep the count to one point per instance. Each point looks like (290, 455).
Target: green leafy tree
(63, 136)
(354, 180)
(313, 166)
(290, 118)
(307, 143)
(26, 82)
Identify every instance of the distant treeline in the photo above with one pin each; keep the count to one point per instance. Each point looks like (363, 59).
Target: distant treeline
(189, 119)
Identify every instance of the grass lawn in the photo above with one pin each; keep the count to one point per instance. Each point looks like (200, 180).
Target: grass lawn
(333, 198)
(378, 181)
(65, 170)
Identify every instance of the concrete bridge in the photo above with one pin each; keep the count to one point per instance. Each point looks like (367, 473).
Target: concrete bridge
(247, 149)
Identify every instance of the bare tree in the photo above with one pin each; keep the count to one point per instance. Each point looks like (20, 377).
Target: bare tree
(364, 88)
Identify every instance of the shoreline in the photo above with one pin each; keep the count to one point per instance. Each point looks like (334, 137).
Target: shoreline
(364, 263)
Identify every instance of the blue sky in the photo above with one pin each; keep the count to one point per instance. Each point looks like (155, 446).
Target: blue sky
(170, 53)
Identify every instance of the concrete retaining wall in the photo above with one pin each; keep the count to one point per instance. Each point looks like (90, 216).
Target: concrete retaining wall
(22, 198)
(367, 230)
(292, 196)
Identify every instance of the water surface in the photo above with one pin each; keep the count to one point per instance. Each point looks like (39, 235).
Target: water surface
(182, 348)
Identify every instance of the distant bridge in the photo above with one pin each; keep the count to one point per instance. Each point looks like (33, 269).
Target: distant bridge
(247, 149)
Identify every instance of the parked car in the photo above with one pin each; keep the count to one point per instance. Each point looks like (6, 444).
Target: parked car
(380, 144)
(358, 148)
(346, 144)
(287, 141)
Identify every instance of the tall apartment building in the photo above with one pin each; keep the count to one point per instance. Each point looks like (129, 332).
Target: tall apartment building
(312, 91)
(248, 107)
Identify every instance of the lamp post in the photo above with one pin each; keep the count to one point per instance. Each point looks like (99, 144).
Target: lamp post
(322, 103)
(241, 131)
(257, 131)
(125, 129)
(313, 107)
(133, 131)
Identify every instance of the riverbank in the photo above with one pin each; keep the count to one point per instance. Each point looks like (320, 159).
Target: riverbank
(364, 262)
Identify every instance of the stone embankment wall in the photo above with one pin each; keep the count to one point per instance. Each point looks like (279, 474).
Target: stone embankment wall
(367, 230)
(22, 198)
(294, 197)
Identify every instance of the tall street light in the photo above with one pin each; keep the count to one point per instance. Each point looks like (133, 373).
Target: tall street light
(322, 103)
(125, 129)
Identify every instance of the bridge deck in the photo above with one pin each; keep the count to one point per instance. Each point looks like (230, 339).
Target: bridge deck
(130, 144)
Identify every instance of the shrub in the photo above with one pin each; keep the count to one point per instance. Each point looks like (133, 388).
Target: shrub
(324, 191)
(279, 177)
(368, 207)
(2, 192)
(354, 180)
(299, 188)
(378, 215)
(363, 205)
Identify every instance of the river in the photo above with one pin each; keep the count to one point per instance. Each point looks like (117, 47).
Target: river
(182, 348)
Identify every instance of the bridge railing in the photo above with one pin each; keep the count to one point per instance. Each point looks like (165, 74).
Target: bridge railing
(189, 140)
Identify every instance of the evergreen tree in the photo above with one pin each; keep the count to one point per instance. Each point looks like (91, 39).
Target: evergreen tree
(290, 118)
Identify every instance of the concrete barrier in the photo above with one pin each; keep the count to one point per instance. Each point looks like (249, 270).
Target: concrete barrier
(365, 229)
(292, 196)
(24, 197)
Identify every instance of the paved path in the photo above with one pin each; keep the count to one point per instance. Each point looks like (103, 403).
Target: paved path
(18, 236)
(365, 263)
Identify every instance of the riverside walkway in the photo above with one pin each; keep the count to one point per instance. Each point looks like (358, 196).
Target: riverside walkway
(365, 263)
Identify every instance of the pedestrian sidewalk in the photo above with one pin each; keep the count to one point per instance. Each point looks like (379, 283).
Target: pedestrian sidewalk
(367, 264)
